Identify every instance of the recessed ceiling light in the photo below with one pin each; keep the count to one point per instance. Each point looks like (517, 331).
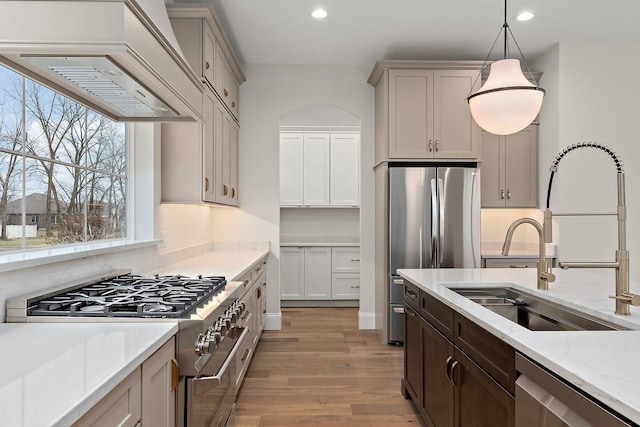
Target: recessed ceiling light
(525, 16)
(319, 13)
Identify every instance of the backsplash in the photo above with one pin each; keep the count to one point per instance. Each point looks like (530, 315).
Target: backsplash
(495, 222)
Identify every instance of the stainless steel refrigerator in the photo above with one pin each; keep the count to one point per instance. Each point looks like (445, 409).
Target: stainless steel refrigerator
(434, 222)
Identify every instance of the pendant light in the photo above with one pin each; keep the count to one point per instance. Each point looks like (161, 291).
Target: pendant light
(507, 102)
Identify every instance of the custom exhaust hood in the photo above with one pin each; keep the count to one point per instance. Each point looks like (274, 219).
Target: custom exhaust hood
(118, 57)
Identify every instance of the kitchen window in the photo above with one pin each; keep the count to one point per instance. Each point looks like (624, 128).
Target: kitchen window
(61, 164)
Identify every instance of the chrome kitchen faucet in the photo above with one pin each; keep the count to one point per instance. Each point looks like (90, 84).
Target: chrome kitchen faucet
(623, 297)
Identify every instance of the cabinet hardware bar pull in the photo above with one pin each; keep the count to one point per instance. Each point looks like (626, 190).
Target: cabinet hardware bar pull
(437, 145)
(355, 287)
(398, 281)
(430, 145)
(401, 310)
(518, 266)
(244, 356)
(174, 374)
(206, 184)
(412, 294)
(449, 362)
(508, 194)
(206, 65)
(244, 315)
(455, 373)
(501, 194)
(355, 260)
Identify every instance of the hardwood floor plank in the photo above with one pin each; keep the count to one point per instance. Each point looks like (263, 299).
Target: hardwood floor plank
(321, 370)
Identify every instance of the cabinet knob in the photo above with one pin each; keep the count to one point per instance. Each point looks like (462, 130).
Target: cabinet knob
(225, 92)
(207, 65)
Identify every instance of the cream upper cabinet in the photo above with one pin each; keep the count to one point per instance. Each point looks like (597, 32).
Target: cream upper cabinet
(319, 169)
(428, 115)
(510, 169)
(226, 156)
(291, 169)
(316, 169)
(345, 170)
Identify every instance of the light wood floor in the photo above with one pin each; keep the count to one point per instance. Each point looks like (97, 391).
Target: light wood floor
(321, 370)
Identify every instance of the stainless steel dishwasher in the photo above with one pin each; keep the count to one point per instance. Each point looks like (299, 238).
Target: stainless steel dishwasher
(542, 399)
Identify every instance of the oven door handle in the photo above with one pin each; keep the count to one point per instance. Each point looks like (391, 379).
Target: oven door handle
(223, 369)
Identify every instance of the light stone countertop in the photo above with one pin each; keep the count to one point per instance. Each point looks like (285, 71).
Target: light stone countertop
(52, 373)
(603, 364)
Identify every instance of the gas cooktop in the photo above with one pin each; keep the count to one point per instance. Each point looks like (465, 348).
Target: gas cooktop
(130, 295)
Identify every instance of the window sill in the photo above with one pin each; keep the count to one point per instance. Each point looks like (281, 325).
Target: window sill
(50, 255)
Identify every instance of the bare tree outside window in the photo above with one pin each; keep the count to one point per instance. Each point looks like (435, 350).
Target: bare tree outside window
(74, 174)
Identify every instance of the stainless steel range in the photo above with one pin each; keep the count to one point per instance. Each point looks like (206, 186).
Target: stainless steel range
(210, 321)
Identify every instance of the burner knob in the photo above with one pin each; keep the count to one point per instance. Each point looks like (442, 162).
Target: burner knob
(226, 322)
(214, 338)
(202, 346)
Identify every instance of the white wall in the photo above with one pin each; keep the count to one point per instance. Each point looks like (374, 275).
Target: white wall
(270, 93)
(320, 225)
(591, 96)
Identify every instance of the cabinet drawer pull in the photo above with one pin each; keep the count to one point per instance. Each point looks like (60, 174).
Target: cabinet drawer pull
(501, 194)
(411, 294)
(355, 287)
(225, 190)
(233, 193)
(355, 260)
(430, 145)
(518, 266)
(264, 311)
(174, 374)
(244, 355)
(508, 194)
(401, 310)
(233, 104)
(244, 315)
(437, 145)
(225, 93)
(207, 65)
(398, 282)
(206, 184)
(455, 373)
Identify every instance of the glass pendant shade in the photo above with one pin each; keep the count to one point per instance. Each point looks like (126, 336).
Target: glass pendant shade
(507, 102)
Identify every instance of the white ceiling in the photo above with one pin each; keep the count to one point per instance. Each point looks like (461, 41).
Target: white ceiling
(363, 31)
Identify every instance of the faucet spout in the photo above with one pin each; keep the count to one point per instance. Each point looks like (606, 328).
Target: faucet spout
(544, 276)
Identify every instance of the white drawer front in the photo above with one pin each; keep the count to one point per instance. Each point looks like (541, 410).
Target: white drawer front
(345, 286)
(345, 260)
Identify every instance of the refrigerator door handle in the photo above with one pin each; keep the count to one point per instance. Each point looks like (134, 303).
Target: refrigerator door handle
(441, 222)
(434, 224)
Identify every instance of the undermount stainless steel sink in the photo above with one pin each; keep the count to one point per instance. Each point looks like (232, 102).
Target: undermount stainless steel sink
(534, 313)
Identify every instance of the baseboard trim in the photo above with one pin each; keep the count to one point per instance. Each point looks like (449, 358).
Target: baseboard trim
(273, 322)
(366, 320)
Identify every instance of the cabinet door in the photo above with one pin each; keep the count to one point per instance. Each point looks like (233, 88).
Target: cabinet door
(492, 170)
(521, 168)
(292, 273)
(233, 163)
(219, 132)
(208, 54)
(345, 170)
(480, 401)
(208, 148)
(413, 355)
(411, 114)
(456, 134)
(219, 66)
(438, 391)
(316, 169)
(159, 382)
(291, 169)
(317, 273)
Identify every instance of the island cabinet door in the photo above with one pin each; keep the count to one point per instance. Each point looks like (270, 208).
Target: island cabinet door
(480, 400)
(438, 390)
(413, 355)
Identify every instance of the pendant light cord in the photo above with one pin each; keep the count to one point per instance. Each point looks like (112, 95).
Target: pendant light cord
(505, 26)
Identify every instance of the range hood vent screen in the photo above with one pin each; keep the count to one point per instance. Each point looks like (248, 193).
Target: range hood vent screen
(104, 80)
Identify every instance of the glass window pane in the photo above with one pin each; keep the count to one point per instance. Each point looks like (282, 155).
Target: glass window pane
(10, 202)
(106, 208)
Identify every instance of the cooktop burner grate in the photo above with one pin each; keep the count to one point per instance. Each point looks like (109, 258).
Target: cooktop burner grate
(130, 295)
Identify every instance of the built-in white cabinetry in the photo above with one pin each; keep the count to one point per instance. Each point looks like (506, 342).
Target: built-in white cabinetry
(510, 169)
(319, 169)
(200, 160)
(145, 398)
(320, 273)
(429, 117)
